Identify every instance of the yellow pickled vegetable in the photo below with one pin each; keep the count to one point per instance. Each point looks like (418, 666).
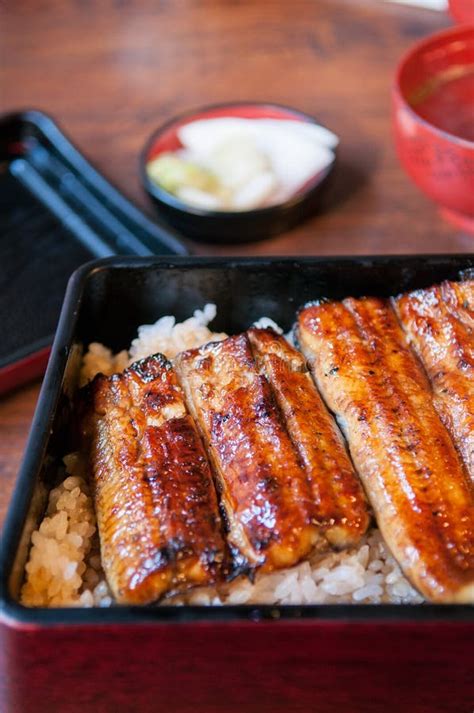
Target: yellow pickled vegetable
(174, 173)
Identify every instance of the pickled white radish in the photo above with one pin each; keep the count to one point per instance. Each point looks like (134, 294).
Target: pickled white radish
(256, 191)
(240, 164)
(199, 199)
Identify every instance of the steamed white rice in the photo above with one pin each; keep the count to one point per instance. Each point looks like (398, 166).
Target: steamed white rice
(64, 566)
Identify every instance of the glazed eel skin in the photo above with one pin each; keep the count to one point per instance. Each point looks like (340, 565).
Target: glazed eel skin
(155, 500)
(439, 323)
(340, 503)
(412, 473)
(263, 487)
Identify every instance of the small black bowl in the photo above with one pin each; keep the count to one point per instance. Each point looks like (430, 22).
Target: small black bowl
(229, 226)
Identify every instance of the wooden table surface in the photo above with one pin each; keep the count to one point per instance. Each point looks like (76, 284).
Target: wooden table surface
(111, 71)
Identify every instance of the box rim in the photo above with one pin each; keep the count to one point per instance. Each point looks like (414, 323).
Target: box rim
(15, 615)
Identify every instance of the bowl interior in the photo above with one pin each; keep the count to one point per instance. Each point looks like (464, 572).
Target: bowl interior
(436, 80)
(166, 138)
(462, 10)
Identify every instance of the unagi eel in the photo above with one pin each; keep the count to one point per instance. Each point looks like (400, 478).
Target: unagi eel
(339, 501)
(263, 486)
(155, 501)
(439, 323)
(412, 473)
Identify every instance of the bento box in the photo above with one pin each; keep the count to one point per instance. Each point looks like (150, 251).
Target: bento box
(245, 658)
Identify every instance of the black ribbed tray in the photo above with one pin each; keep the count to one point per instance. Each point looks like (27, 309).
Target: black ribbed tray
(56, 213)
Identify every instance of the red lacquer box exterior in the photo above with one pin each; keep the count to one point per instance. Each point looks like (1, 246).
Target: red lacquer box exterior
(321, 659)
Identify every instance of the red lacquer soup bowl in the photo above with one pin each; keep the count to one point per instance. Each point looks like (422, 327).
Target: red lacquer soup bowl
(462, 10)
(433, 116)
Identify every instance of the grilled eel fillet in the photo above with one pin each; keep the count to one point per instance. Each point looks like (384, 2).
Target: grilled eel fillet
(341, 507)
(412, 473)
(155, 500)
(263, 487)
(439, 323)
